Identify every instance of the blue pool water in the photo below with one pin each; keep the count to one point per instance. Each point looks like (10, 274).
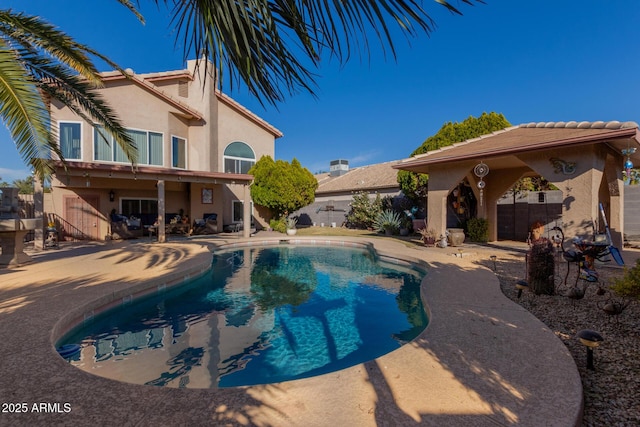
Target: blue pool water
(262, 315)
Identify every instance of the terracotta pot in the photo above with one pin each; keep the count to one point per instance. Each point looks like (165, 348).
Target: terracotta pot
(456, 236)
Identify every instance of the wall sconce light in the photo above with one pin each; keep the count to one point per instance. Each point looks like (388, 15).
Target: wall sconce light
(112, 196)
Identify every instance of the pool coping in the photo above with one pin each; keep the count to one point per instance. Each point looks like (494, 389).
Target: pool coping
(446, 376)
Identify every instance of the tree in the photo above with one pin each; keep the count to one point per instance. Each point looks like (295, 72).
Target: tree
(273, 45)
(24, 186)
(414, 185)
(364, 211)
(264, 43)
(282, 187)
(39, 62)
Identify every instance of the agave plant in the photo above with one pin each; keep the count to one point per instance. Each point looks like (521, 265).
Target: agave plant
(387, 221)
(291, 223)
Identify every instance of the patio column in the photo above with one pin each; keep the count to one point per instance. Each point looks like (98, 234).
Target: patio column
(246, 212)
(442, 179)
(161, 231)
(615, 196)
(38, 212)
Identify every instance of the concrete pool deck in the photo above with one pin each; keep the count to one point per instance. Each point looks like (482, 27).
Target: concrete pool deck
(482, 361)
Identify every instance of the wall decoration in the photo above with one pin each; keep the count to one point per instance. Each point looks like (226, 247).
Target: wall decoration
(207, 195)
(630, 176)
(481, 170)
(562, 166)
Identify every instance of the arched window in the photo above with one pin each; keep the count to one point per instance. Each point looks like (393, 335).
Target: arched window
(238, 158)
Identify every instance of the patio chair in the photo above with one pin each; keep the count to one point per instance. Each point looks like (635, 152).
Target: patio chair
(208, 224)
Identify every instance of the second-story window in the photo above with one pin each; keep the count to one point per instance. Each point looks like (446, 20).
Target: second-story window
(149, 145)
(238, 158)
(178, 152)
(70, 141)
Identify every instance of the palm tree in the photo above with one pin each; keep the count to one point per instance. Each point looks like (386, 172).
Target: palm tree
(270, 45)
(273, 45)
(37, 63)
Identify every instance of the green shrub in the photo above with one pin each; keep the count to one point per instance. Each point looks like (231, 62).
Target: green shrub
(478, 230)
(363, 211)
(279, 225)
(629, 285)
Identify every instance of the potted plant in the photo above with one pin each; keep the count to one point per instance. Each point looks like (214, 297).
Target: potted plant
(428, 236)
(405, 225)
(291, 226)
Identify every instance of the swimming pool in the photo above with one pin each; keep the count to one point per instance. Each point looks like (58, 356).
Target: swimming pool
(261, 315)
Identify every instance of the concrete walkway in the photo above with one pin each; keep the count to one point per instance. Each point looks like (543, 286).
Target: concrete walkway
(482, 361)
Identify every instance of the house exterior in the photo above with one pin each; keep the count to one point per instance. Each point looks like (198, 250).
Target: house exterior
(336, 189)
(583, 159)
(195, 147)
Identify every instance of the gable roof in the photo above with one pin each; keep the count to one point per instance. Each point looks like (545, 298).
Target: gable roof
(380, 176)
(526, 138)
(139, 80)
(146, 81)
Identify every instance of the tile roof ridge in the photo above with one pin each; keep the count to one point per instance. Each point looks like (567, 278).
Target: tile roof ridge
(613, 124)
(466, 141)
(374, 164)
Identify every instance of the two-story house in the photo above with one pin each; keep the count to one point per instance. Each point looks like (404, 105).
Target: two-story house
(195, 147)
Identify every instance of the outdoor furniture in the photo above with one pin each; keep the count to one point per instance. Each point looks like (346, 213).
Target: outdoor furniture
(208, 224)
(123, 227)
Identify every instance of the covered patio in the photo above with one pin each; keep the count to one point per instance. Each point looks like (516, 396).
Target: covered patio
(85, 194)
(583, 159)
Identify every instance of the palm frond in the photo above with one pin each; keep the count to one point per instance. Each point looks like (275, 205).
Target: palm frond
(32, 32)
(259, 41)
(81, 97)
(24, 113)
(129, 5)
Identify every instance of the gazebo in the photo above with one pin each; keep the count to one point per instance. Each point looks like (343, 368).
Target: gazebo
(585, 160)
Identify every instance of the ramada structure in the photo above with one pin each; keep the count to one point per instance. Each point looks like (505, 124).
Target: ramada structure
(195, 147)
(583, 159)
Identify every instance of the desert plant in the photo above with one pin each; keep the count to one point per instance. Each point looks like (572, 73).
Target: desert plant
(628, 286)
(278, 225)
(428, 233)
(291, 223)
(387, 221)
(478, 229)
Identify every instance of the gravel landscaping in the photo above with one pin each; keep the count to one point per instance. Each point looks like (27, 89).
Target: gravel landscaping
(612, 389)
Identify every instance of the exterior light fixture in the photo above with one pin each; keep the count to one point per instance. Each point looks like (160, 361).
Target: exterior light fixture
(521, 285)
(112, 196)
(591, 340)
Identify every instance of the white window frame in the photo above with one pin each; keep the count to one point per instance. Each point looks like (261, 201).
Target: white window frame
(186, 160)
(148, 132)
(113, 145)
(237, 160)
(233, 211)
(73, 122)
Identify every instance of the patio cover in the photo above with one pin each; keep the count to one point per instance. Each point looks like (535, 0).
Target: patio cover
(76, 173)
(583, 159)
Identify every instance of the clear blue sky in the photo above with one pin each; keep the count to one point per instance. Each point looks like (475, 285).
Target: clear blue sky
(544, 60)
